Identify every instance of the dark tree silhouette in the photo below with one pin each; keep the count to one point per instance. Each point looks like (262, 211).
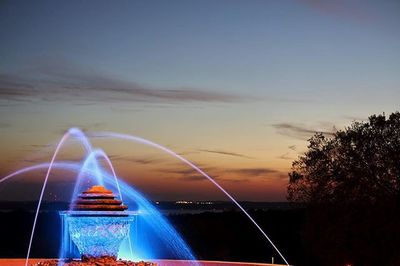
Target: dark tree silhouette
(350, 185)
(360, 163)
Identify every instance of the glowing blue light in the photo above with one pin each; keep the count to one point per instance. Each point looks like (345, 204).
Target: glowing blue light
(97, 233)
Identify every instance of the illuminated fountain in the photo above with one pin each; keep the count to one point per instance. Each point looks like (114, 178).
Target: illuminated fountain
(97, 223)
(99, 226)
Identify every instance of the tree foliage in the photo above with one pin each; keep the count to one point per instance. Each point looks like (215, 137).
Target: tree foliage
(350, 184)
(358, 164)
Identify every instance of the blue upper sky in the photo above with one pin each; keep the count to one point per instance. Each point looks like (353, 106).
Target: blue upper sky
(257, 47)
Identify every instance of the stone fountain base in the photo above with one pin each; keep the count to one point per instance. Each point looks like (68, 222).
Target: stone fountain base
(91, 261)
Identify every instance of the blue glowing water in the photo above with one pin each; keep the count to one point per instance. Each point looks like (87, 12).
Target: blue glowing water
(98, 233)
(151, 235)
(155, 237)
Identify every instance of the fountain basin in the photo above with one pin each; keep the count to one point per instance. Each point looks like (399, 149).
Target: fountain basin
(98, 233)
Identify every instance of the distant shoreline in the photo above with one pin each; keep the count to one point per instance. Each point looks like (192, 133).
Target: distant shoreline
(166, 207)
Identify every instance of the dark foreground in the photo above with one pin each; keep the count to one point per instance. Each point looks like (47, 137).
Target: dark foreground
(218, 236)
(324, 235)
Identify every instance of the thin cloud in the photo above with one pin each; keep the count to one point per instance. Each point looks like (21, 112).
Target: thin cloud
(291, 154)
(39, 146)
(187, 171)
(189, 174)
(197, 178)
(4, 125)
(194, 178)
(286, 156)
(355, 118)
(125, 109)
(248, 174)
(254, 171)
(234, 180)
(293, 147)
(13, 81)
(200, 178)
(302, 132)
(226, 153)
(191, 178)
(84, 127)
(32, 160)
(68, 82)
(188, 152)
(341, 9)
(226, 174)
(143, 160)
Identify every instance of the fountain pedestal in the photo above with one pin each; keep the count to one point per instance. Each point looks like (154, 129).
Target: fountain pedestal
(97, 224)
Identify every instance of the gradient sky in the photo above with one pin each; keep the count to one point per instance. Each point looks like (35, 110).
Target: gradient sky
(235, 86)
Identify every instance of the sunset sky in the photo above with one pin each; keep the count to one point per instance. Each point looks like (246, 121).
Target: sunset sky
(237, 87)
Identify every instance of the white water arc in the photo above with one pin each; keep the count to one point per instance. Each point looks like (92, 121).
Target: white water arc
(74, 132)
(59, 145)
(92, 159)
(158, 146)
(62, 165)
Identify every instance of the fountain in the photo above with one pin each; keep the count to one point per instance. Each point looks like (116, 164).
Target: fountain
(99, 228)
(98, 223)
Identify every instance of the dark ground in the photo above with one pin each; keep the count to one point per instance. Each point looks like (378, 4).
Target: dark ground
(327, 235)
(222, 234)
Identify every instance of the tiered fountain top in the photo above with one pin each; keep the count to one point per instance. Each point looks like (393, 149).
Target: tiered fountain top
(97, 198)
